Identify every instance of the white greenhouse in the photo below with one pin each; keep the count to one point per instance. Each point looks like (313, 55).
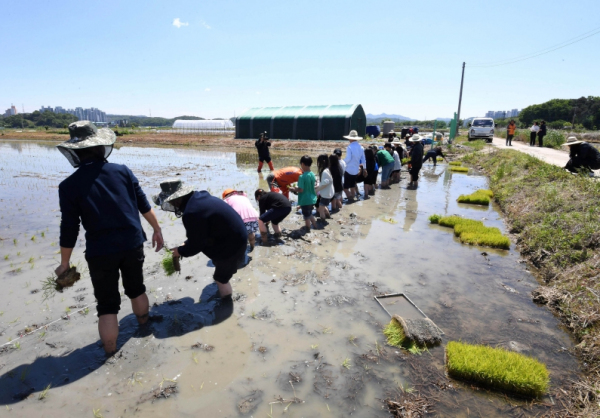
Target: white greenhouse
(207, 127)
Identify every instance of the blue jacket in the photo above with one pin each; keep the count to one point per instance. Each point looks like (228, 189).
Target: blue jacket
(107, 199)
(212, 227)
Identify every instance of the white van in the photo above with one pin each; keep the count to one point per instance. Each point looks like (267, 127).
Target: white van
(481, 128)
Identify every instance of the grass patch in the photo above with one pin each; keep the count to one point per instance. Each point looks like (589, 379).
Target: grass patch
(395, 337)
(458, 169)
(480, 197)
(167, 262)
(497, 369)
(455, 163)
(473, 232)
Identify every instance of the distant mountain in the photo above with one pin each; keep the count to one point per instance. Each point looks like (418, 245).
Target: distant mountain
(386, 116)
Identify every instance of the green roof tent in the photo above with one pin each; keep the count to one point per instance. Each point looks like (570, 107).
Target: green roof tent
(302, 122)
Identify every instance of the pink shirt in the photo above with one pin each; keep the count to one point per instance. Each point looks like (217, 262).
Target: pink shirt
(241, 204)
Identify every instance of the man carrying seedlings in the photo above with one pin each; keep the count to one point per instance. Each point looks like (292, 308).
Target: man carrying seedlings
(284, 177)
(106, 199)
(583, 156)
(262, 145)
(211, 226)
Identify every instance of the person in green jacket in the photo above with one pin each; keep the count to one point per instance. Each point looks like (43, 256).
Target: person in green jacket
(386, 162)
(307, 197)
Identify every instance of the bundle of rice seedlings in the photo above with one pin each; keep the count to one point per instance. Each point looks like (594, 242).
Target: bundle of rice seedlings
(455, 163)
(497, 369)
(440, 159)
(459, 169)
(395, 337)
(473, 232)
(167, 262)
(434, 219)
(479, 197)
(405, 161)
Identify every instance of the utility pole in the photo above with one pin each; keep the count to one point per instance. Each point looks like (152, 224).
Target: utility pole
(462, 79)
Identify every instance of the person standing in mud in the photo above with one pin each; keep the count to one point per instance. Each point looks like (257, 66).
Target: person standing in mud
(212, 227)
(307, 196)
(264, 155)
(416, 160)
(337, 173)
(107, 200)
(355, 156)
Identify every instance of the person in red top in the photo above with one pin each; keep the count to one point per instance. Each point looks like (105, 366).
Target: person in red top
(284, 177)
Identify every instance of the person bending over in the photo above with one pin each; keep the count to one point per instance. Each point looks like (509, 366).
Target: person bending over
(583, 156)
(284, 177)
(274, 208)
(241, 204)
(433, 154)
(212, 227)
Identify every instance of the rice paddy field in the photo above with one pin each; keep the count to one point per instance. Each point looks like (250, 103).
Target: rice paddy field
(303, 337)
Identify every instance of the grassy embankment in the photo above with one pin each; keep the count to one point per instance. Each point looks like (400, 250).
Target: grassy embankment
(555, 217)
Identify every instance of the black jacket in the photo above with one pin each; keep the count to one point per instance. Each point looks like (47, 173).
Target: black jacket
(585, 155)
(416, 154)
(263, 149)
(271, 200)
(212, 227)
(542, 130)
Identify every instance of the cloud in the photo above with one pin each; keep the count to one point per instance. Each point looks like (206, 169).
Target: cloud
(206, 89)
(205, 25)
(178, 23)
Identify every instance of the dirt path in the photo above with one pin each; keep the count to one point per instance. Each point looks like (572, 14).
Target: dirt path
(548, 155)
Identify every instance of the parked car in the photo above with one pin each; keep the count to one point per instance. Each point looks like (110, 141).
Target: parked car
(481, 128)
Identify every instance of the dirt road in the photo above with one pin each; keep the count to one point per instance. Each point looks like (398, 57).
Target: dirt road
(548, 155)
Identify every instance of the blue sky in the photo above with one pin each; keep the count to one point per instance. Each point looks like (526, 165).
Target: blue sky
(220, 58)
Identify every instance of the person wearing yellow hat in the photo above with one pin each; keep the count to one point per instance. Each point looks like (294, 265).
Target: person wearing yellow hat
(241, 204)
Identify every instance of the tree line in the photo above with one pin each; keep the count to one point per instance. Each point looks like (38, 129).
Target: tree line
(38, 119)
(562, 112)
(148, 121)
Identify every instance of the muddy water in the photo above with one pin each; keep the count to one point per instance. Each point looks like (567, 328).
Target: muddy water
(303, 337)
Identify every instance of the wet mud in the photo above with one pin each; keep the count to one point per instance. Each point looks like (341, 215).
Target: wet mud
(302, 335)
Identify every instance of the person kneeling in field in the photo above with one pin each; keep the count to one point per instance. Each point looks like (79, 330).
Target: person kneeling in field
(212, 227)
(284, 177)
(583, 156)
(274, 207)
(240, 203)
(107, 199)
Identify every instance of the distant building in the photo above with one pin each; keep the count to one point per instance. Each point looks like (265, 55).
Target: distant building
(11, 111)
(502, 114)
(93, 114)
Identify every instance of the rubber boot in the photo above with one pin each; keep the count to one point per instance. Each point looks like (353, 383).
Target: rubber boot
(271, 166)
(260, 165)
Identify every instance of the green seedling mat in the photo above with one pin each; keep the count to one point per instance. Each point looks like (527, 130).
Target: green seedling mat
(400, 304)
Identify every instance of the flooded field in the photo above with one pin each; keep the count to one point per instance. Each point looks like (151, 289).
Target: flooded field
(303, 337)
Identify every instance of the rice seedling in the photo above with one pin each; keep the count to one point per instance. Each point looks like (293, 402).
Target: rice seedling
(6, 257)
(44, 393)
(68, 310)
(18, 345)
(15, 241)
(42, 335)
(43, 234)
(314, 346)
(405, 161)
(167, 262)
(48, 288)
(473, 232)
(434, 219)
(479, 197)
(440, 159)
(31, 260)
(455, 163)
(395, 337)
(351, 340)
(33, 238)
(18, 253)
(85, 311)
(97, 413)
(457, 169)
(346, 363)
(497, 369)
(24, 374)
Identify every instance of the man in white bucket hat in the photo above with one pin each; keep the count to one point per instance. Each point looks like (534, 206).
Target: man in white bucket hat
(107, 200)
(355, 157)
(583, 156)
(416, 159)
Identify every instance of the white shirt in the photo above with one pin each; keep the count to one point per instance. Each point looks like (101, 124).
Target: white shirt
(397, 162)
(535, 128)
(326, 186)
(355, 155)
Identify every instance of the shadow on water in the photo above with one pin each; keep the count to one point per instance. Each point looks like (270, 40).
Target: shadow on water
(179, 317)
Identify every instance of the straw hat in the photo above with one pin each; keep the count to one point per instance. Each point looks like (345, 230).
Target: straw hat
(171, 190)
(227, 191)
(84, 134)
(415, 138)
(573, 141)
(353, 136)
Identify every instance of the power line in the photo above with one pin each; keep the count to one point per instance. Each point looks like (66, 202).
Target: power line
(571, 41)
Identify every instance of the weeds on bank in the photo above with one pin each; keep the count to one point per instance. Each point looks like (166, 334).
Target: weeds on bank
(473, 232)
(480, 197)
(497, 369)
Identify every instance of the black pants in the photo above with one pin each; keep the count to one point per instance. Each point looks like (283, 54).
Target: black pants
(532, 138)
(431, 155)
(540, 140)
(226, 267)
(414, 172)
(509, 139)
(104, 271)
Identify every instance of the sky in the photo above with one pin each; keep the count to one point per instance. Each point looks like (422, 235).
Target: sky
(216, 59)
